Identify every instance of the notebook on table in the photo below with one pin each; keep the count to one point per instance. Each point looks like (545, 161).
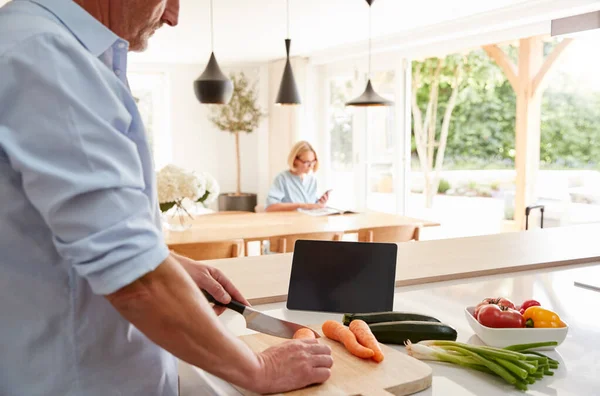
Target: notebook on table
(342, 277)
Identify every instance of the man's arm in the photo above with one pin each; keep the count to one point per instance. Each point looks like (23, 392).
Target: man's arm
(168, 308)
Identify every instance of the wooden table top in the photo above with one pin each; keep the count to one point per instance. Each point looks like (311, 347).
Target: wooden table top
(265, 279)
(222, 226)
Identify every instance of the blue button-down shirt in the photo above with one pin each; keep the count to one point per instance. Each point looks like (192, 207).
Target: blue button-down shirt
(78, 209)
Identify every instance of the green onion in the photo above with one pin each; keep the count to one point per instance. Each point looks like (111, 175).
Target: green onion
(525, 347)
(496, 368)
(517, 368)
(513, 368)
(529, 367)
(496, 352)
(542, 356)
(478, 367)
(521, 385)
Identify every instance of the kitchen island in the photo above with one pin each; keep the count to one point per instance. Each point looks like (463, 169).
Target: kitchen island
(445, 296)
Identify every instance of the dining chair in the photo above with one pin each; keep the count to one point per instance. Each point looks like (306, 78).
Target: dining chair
(393, 234)
(210, 250)
(285, 243)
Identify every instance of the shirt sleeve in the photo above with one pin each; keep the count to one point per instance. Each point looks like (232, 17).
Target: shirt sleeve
(277, 191)
(64, 128)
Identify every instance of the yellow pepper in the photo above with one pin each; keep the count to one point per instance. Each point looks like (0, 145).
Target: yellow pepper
(540, 318)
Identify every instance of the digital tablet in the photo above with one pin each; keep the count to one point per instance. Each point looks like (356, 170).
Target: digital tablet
(342, 277)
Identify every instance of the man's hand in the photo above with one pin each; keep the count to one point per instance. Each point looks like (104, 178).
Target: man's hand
(293, 365)
(213, 281)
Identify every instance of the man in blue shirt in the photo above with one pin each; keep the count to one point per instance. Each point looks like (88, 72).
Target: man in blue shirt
(91, 300)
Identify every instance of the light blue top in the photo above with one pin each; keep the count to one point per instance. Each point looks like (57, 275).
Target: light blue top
(79, 215)
(289, 188)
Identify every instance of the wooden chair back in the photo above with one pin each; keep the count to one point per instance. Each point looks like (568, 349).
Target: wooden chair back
(285, 244)
(210, 250)
(394, 234)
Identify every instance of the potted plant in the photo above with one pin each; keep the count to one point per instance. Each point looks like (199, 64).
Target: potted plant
(241, 114)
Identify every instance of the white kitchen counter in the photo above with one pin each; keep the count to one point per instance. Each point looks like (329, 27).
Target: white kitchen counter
(579, 372)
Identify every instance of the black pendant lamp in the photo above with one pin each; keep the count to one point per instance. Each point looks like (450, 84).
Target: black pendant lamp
(213, 87)
(369, 97)
(288, 91)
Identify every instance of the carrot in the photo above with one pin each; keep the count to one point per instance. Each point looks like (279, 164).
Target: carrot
(365, 337)
(337, 332)
(304, 333)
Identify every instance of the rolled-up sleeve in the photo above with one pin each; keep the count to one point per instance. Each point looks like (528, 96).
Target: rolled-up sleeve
(66, 134)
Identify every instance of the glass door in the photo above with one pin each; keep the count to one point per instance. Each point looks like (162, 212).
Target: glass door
(380, 141)
(367, 164)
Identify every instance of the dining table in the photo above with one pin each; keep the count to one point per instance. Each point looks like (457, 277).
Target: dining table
(250, 226)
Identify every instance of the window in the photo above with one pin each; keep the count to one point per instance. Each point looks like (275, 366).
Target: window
(340, 123)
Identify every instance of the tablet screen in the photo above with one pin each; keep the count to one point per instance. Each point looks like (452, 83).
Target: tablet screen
(342, 277)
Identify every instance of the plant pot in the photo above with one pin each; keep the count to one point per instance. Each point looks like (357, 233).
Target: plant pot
(245, 202)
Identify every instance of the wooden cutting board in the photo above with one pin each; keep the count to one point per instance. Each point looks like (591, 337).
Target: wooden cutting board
(399, 374)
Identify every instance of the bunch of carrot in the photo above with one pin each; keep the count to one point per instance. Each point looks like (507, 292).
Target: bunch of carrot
(357, 338)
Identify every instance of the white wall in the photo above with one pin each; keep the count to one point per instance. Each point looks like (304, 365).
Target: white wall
(197, 145)
(289, 124)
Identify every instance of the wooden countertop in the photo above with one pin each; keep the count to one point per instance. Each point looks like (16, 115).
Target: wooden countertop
(265, 279)
(222, 226)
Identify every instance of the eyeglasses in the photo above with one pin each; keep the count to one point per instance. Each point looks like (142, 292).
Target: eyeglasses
(309, 163)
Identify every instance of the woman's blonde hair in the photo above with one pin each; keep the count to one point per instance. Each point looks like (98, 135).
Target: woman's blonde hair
(299, 148)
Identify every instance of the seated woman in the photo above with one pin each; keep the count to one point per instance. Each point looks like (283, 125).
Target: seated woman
(296, 188)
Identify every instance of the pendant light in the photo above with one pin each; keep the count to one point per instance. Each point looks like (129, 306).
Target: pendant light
(369, 97)
(288, 91)
(213, 87)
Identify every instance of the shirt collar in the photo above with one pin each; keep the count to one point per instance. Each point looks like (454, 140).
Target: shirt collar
(93, 35)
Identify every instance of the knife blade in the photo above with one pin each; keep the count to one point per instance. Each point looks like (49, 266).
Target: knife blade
(260, 322)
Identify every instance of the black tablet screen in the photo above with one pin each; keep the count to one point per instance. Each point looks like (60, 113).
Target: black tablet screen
(342, 277)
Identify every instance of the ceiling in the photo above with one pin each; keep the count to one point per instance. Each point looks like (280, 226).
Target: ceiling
(254, 30)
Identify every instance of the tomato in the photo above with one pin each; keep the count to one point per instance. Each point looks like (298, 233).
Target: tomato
(485, 302)
(496, 301)
(497, 316)
(505, 302)
(527, 304)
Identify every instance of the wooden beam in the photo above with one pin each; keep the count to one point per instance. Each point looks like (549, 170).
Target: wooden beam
(549, 64)
(507, 66)
(528, 126)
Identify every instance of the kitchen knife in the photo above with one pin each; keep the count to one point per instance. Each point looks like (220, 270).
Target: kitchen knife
(261, 322)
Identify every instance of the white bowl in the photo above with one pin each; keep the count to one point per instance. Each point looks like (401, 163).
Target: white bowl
(501, 338)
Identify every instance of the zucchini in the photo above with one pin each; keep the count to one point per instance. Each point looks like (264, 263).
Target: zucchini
(415, 331)
(379, 317)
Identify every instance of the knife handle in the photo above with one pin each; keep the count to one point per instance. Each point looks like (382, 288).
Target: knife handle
(234, 305)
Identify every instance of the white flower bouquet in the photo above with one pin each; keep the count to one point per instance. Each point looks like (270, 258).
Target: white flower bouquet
(175, 185)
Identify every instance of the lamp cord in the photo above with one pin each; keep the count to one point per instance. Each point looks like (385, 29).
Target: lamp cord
(212, 29)
(370, 19)
(288, 19)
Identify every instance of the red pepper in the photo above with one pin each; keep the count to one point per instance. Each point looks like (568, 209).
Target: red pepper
(527, 304)
(497, 316)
